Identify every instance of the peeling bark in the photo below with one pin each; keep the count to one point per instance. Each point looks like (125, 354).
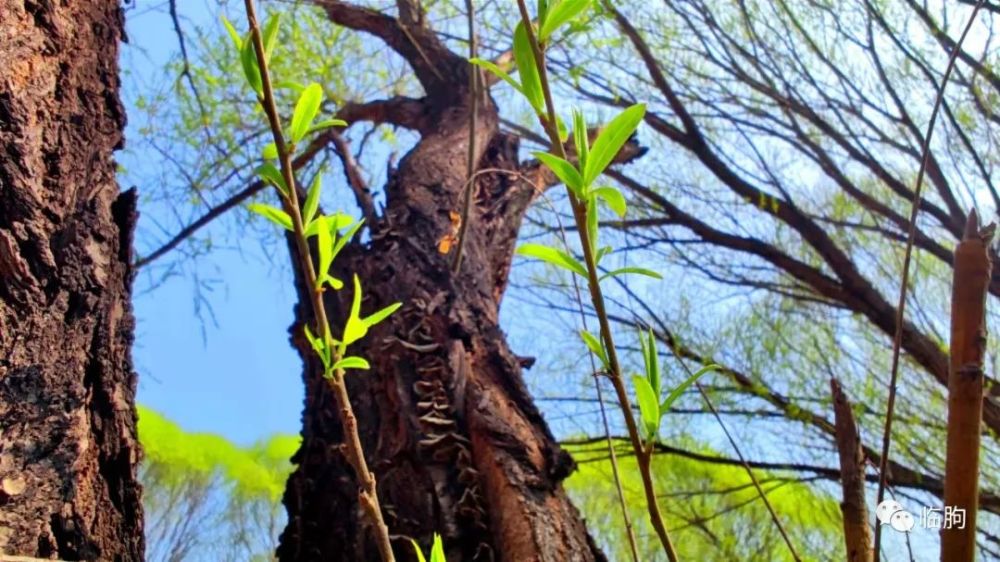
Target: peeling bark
(68, 447)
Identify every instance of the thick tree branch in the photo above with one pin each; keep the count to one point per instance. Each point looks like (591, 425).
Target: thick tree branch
(436, 67)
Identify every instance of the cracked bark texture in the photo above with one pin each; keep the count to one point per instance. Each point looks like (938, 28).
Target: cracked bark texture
(68, 445)
(448, 426)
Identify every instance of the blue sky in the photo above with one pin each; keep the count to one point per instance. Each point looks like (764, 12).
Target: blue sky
(236, 376)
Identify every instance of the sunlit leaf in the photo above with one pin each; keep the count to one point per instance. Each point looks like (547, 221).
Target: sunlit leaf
(652, 361)
(324, 243)
(613, 197)
(273, 214)
(233, 34)
(311, 205)
(554, 256)
(592, 221)
(677, 391)
(248, 58)
(352, 363)
(381, 315)
(559, 14)
(305, 111)
(595, 346)
(563, 170)
(580, 139)
(496, 70)
(355, 329)
(610, 141)
(270, 173)
(631, 270)
(326, 124)
(270, 34)
(531, 84)
(270, 151)
(649, 407)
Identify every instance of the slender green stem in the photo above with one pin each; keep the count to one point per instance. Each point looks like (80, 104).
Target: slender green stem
(643, 454)
(367, 493)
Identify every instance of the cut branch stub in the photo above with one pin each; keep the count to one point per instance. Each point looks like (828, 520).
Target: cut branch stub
(965, 388)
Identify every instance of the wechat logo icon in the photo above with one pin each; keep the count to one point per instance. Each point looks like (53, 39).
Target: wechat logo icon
(891, 513)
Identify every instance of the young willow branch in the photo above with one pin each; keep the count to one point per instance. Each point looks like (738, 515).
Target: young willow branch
(352, 449)
(550, 122)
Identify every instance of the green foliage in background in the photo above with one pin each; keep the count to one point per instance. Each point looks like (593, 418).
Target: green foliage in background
(718, 515)
(256, 471)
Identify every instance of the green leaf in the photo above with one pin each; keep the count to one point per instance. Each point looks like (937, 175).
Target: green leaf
(599, 255)
(270, 173)
(611, 140)
(498, 72)
(562, 130)
(420, 555)
(559, 14)
(270, 151)
(554, 256)
(649, 407)
(648, 344)
(319, 347)
(531, 84)
(311, 205)
(355, 329)
(324, 244)
(352, 363)
(270, 34)
(676, 392)
(273, 214)
(563, 170)
(580, 139)
(289, 85)
(305, 111)
(381, 315)
(633, 270)
(595, 346)
(613, 197)
(437, 549)
(233, 34)
(326, 124)
(592, 218)
(248, 58)
(344, 238)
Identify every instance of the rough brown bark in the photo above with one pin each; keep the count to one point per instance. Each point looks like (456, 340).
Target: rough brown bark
(68, 447)
(448, 426)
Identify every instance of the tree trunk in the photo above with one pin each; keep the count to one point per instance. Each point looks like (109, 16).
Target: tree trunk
(448, 426)
(68, 447)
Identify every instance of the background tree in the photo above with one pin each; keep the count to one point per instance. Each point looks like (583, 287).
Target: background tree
(68, 451)
(206, 498)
